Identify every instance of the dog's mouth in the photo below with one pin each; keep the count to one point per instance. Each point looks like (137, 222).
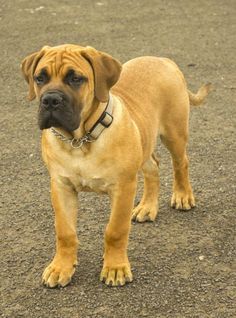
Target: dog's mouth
(48, 119)
(47, 122)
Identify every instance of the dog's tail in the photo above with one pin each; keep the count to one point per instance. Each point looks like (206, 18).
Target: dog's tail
(197, 99)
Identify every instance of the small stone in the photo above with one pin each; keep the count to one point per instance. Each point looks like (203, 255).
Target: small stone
(39, 8)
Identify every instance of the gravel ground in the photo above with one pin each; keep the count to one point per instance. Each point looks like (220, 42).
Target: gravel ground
(183, 262)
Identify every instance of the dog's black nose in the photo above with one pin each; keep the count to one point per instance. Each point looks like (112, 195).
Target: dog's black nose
(51, 100)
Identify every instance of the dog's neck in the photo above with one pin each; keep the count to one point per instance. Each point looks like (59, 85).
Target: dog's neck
(91, 128)
(100, 118)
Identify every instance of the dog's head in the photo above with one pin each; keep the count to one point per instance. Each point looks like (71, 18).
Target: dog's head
(69, 80)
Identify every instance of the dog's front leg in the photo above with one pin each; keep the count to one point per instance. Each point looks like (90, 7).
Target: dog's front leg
(65, 204)
(116, 268)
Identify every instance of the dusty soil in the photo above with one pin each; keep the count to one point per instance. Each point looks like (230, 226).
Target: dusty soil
(183, 262)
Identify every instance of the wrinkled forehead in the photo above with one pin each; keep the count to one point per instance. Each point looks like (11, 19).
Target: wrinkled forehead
(58, 61)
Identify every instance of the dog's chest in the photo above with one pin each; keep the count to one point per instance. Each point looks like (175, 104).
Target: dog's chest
(87, 175)
(95, 184)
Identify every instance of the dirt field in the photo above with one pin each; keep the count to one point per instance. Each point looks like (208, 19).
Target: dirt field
(183, 262)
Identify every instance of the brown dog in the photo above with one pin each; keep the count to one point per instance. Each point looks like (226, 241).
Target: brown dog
(97, 139)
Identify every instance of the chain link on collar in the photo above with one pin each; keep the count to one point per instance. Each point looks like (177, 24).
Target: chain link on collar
(74, 142)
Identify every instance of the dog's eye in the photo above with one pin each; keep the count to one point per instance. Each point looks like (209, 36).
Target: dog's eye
(76, 79)
(40, 79)
(73, 79)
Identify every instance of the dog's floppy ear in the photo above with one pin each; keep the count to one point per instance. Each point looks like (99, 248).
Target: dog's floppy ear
(28, 67)
(106, 71)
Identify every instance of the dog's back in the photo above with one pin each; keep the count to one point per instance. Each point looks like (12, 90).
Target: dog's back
(150, 88)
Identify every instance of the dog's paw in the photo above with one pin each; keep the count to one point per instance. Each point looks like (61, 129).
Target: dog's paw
(182, 201)
(144, 213)
(58, 274)
(116, 275)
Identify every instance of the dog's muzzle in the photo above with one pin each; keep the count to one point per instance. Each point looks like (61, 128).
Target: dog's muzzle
(56, 110)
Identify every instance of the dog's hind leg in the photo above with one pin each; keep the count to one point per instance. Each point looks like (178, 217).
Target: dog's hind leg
(148, 207)
(175, 139)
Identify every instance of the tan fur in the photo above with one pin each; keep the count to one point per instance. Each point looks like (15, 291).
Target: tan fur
(197, 99)
(149, 99)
